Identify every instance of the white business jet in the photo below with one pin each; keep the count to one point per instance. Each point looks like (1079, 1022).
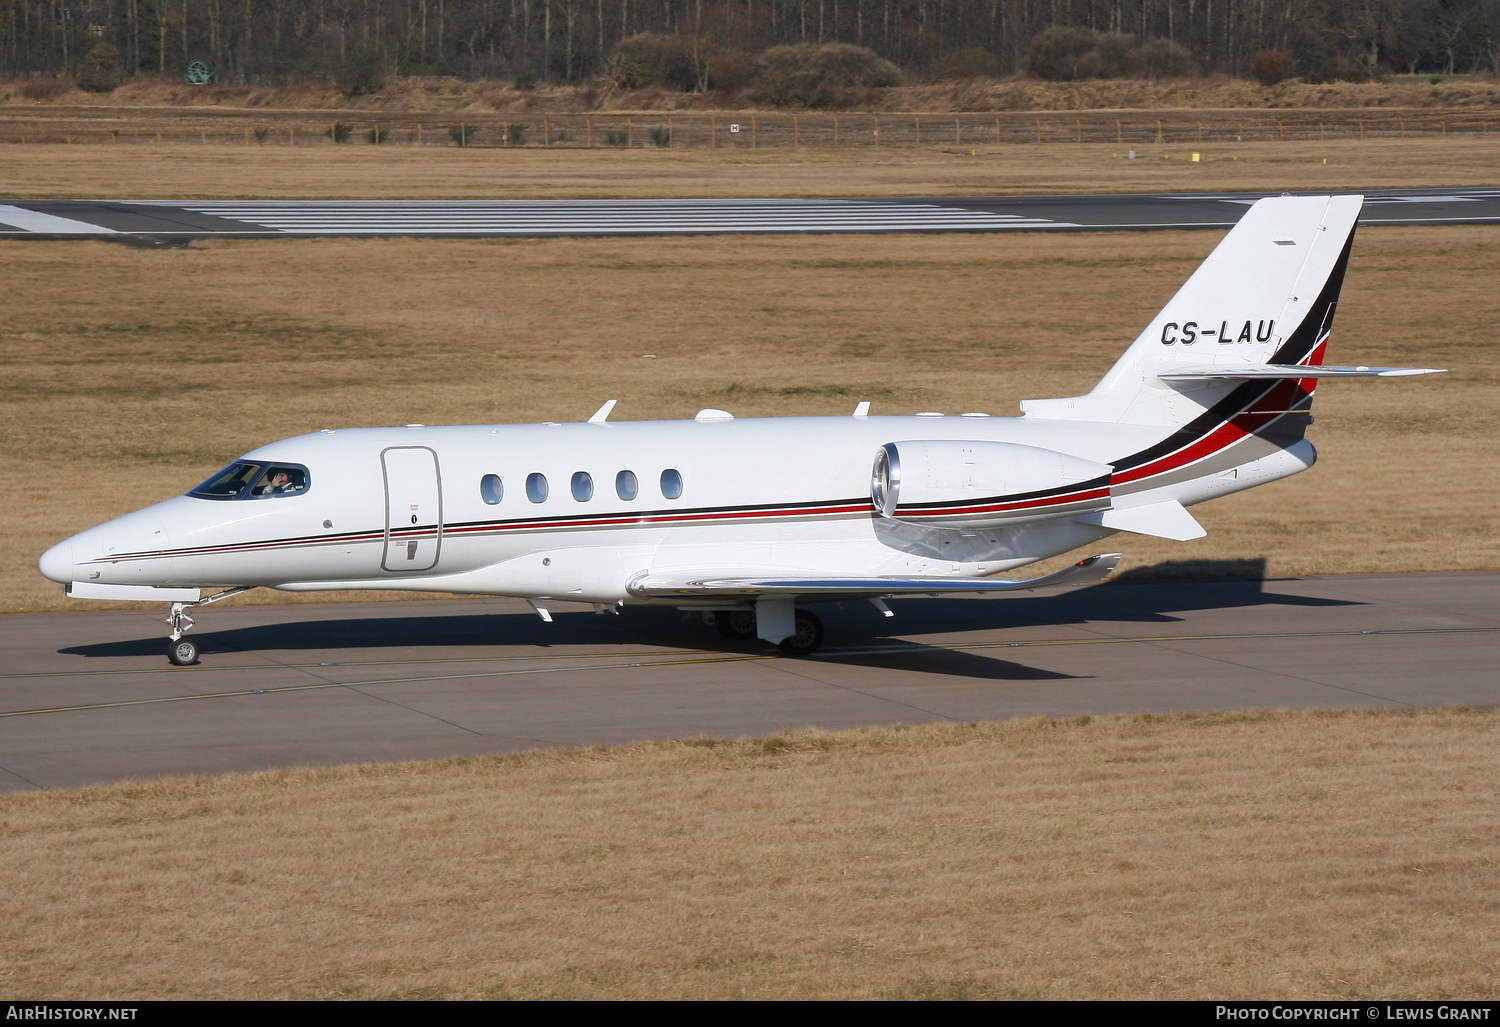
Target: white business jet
(745, 519)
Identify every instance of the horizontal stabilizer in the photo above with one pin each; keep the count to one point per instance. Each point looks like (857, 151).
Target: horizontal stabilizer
(1273, 371)
(1088, 571)
(135, 593)
(1163, 520)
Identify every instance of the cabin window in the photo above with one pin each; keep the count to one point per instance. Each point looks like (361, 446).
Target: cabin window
(583, 486)
(671, 483)
(626, 486)
(245, 480)
(536, 487)
(491, 489)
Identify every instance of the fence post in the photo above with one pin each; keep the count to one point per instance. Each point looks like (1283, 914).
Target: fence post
(1119, 136)
(958, 135)
(671, 133)
(753, 137)
(997, 131)
(1159, 137)
(1403, 129)
(836, 128)
(1038, 130)
(713, 133)
(1079, 126)
(877, 131)
(1361, 125)
(629, 134)
(1280, 132)
(796, 140)
(1444, 126)
(918, 122)
(546, 132)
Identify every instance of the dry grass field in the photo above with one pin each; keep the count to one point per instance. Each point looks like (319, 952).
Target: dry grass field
(129, 375)
(1276, 855)
(326, 171)
(145, 93)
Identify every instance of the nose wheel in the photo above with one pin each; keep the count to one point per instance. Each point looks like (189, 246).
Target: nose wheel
(182, 652)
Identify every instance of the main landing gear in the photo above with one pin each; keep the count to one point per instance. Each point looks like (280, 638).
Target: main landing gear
(806, 636)
(183, 652)
(735, 623)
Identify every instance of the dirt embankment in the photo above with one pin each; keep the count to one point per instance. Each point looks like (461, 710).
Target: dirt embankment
(974, 95)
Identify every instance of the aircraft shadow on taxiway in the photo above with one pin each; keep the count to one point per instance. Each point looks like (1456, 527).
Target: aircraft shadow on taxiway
(852, 625)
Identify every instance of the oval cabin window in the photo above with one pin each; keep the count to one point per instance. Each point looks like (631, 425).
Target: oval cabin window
(491, 489)
(536, 487)
(583, 486)
(626, 486)
(671, 483)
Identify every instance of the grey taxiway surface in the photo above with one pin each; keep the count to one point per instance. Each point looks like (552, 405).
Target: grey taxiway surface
(176, 221)
(89, 697)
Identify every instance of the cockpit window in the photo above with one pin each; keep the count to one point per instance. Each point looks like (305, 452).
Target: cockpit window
(244, 480)
(228, 483)
(281, 480)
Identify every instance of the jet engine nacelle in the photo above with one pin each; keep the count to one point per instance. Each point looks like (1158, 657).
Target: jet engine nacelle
(957, 483)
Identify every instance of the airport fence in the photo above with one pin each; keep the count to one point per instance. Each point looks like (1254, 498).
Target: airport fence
(750, 131)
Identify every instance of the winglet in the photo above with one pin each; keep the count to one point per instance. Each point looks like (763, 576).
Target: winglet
(602, 414)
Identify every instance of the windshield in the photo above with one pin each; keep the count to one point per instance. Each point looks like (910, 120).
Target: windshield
(244, 480)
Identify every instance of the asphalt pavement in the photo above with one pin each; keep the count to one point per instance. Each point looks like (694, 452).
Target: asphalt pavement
(177, 221)
(88, 697)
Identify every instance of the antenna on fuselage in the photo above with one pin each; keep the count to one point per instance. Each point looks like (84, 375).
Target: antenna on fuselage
(602, 414)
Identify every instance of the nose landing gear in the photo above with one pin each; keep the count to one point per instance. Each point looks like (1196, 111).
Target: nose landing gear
(183, 652)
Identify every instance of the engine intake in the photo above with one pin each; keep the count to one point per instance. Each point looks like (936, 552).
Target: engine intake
(957, 483)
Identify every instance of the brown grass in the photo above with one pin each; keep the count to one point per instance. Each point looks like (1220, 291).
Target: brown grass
(360, 171)
(1312, 855)
(129, 375)
(1012, 94)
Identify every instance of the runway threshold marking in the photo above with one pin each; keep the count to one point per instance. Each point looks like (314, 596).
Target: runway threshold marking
(719, 658)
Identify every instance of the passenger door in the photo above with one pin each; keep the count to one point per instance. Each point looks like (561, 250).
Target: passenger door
(413, 509)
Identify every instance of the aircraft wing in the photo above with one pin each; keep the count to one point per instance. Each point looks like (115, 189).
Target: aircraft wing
(1260, 371)
(1089, 571)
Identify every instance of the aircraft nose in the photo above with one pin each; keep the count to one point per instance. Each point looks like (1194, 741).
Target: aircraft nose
(57, 562)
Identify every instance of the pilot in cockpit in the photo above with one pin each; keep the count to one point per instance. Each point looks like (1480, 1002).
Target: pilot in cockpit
(279, 481)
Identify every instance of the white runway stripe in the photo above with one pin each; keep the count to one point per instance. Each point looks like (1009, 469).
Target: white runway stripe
(606, 216)
(31, 221)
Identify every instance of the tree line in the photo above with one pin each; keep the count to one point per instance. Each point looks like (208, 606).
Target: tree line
(361, 42)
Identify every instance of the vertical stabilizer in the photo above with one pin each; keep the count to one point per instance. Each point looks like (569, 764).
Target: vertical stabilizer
(1266, 294)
